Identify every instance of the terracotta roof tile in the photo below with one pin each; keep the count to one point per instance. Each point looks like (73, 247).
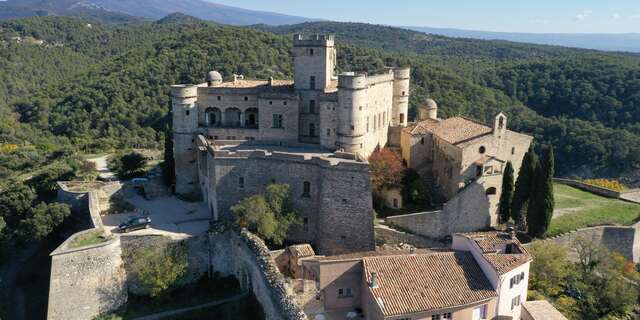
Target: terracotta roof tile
(500, 249)
(302, 250)
(423, 282)
(453, 130)
(377, 253)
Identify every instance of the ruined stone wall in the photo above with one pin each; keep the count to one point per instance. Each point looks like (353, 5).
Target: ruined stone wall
(622, 239)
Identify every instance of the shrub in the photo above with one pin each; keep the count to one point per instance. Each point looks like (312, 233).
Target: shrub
(606, 183)
(160, 268)
(128, 166)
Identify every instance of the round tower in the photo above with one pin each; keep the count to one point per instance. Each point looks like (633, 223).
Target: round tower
(352, 104)
(428, 110)
(185, 125)
(400, 105)
(213, 78)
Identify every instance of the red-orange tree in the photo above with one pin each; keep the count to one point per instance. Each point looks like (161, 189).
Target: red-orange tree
(386, 169)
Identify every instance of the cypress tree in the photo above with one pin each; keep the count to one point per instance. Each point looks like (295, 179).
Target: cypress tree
(540, 209)
(507, 194)
(523, 185)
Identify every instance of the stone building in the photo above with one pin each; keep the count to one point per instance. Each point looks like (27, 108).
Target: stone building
(483, 276)
(465, 159)
(232, 138)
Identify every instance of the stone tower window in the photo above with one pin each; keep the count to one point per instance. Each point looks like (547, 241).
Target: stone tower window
(277, 121)
(312, 106)
(422, 140)
(482, 150)
(312, 82)
(246, 98)
(328, 132)
(402, 118)
(187, 112)
(513, 150)
(306, 189)
(312, 130)
(241, 182)
(284, 103)
(311, 52)
(219, 98)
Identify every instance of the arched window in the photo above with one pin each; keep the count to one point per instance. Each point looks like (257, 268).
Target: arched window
(306, 189)
(491, 191)
(212, 117)
(500, 122)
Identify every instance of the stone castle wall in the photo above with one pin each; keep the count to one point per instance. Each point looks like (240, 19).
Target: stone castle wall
(89, 280)
(622, 239)
(337, 212)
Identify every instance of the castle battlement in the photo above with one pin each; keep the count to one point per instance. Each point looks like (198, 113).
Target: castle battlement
(318, 40)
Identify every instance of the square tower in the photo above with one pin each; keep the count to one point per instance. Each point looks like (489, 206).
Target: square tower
(314, 61)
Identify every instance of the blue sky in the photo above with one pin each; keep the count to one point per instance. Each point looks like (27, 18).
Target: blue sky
(555, 16)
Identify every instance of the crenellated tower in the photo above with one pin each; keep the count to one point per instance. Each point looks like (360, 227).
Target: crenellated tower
(314, 61)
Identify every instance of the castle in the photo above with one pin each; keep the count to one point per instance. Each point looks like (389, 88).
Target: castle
(232, 138)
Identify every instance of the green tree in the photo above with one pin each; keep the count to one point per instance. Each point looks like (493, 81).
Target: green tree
(541, 202)
(550, 269)
(270, 214)
(129, 165)
(159, 268)
(2, 227)
(168, 166)
(15, 202)
(41, 220)
(420, 193)
(507, 194)
(524, 184)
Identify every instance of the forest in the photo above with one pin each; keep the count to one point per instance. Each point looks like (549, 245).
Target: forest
(77, 85)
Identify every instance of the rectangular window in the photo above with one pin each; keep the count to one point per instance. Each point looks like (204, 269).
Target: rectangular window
(277, 121)
(367, 124)
(241, 182)
(187, 112)
(306, 189)
(515, 302)
(312, 82)
(479, 313)
(345, 293)
(446, 316)
(328, 132)
(305, 224)
(402, 118)
(312, 106)
(513, 150)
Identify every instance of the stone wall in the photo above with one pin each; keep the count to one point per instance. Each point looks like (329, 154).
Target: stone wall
(622, 239)
(468, 211)
(336, 213)
(91, 277)
(632, 195)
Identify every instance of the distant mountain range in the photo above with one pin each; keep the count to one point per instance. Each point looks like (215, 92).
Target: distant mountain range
(599, 41)
(117, 11)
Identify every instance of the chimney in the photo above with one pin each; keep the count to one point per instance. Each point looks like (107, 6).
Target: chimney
(374, 280)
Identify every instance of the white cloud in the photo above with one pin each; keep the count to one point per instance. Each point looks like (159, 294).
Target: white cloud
(616, 16)
(583, 15)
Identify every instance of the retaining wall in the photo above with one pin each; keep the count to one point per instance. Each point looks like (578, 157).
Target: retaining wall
(622, 239)
(632, 195)
(89, 280)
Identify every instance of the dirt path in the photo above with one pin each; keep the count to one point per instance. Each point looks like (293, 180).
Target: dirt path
(103, 170)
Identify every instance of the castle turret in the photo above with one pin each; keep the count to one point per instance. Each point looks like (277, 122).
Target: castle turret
(400, 107)
(213, 78)
(185, 124)
(314, 61)
(352, 104)
(428, 110)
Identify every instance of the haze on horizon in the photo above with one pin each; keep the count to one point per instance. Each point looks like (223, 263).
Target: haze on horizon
(542, 16)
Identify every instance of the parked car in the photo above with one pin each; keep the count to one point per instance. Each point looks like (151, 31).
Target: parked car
(135, 223)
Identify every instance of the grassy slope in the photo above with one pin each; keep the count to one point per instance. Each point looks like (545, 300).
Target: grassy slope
(578, 209)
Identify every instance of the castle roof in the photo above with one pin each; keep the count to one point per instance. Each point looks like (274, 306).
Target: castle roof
(454, 130)
(423, 282)
(248, 84)
(501, 249)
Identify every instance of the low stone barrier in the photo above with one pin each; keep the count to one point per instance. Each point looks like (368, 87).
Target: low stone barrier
(632, 195)
(622, 239)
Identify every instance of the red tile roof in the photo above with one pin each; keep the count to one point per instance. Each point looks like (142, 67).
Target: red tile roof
(453, 130)
(423, 282)
(500, 249)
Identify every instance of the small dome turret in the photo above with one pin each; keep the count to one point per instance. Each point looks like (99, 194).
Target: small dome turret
(428, 110)
(213, 78)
